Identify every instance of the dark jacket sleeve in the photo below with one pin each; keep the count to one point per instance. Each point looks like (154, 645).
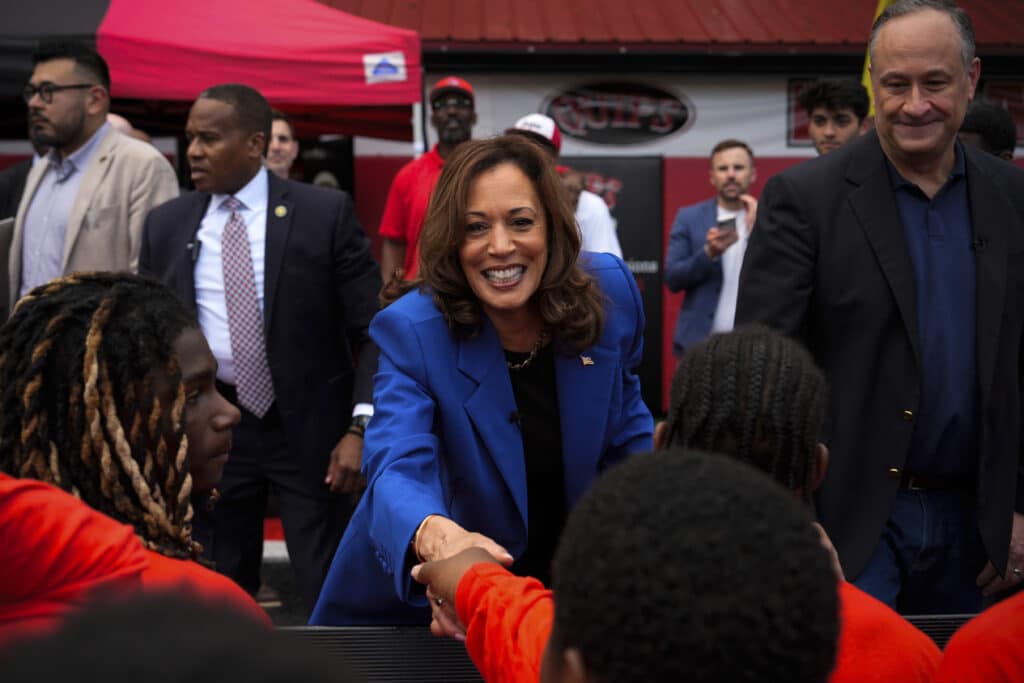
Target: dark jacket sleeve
(777, 279)
(357, 278)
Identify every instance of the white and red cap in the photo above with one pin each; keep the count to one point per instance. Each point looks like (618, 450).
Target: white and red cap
(540, 125)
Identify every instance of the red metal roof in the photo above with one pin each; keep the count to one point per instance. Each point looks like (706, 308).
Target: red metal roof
(757, 26)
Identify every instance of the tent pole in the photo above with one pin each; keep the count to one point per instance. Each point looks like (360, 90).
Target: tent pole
(419, 124)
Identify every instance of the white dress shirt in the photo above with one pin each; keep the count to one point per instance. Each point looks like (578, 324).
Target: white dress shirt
(209, 273)
(596, 225)
(732, 263)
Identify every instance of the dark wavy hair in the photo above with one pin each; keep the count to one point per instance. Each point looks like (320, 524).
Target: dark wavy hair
(570, 302)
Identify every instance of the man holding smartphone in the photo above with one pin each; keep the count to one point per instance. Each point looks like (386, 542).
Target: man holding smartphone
(706, 247)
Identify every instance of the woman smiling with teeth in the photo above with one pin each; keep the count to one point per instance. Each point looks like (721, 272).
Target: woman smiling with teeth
(505, 386)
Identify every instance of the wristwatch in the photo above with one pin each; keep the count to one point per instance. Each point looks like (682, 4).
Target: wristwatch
(358, 426)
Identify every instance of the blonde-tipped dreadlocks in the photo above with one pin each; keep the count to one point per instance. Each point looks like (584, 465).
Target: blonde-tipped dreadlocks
(79, 407)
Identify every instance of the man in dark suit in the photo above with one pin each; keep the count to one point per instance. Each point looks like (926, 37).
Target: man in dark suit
(899, 260)
(282, 279)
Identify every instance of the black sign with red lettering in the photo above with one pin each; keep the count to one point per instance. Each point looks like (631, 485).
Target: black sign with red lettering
(619, 113)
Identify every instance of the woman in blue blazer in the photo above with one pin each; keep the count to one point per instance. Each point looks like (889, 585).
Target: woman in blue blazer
(505, 386)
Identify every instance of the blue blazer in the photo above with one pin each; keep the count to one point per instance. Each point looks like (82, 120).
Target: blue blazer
(441, 441)
(687, 266)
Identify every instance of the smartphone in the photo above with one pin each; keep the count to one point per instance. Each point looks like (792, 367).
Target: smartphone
(727, 224)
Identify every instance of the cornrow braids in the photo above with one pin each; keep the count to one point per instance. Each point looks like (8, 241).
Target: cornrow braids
(91, 401)
(752, 394)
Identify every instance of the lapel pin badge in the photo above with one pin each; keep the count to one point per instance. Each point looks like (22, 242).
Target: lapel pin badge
(280, 211)
(586, 360)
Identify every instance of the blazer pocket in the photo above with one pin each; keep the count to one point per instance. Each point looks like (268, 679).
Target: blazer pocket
(100, 217)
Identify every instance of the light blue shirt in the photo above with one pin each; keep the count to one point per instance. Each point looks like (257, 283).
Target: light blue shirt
(48, 213)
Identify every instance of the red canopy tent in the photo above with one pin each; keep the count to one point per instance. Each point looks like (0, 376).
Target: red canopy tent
(336, 72)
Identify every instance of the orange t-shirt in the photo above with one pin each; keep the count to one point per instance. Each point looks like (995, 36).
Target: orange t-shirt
(56, 554)
(188, 578)
(989, 648)
(508, 622)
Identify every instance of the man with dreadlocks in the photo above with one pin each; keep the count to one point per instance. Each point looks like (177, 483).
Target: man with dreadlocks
(107, 391)
(752, 395)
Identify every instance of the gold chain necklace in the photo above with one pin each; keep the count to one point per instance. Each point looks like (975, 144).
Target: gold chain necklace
(541, 338)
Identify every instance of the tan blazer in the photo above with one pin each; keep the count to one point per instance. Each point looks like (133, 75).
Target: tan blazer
(125, 179)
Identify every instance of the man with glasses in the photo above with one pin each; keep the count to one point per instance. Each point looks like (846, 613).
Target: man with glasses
(452, 116)
(85, 202)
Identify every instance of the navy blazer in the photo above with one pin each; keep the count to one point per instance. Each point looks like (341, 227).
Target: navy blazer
(829, 265)
(441, 441)
(320, 294)
(688, 266)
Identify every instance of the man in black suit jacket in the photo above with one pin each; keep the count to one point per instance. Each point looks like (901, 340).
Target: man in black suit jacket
(899, 260)
(309, 283)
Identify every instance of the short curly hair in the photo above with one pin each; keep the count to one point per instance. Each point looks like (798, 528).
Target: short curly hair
(570, 302)
(683, 566)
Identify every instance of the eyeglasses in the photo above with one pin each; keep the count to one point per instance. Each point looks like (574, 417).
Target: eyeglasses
(46, 90)
(458, 101)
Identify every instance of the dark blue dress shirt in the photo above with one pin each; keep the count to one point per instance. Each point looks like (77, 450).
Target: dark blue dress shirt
(939, 239)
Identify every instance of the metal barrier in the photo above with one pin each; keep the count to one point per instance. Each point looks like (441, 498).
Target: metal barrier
(939, 627)
(392, 653)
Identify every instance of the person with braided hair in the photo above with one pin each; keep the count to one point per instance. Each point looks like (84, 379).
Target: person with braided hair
(756, 397)
(759, 397)
(107, 392)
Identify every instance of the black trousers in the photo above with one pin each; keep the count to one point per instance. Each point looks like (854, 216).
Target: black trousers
(232, 531)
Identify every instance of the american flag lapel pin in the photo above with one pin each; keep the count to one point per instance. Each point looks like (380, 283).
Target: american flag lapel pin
(586, 360)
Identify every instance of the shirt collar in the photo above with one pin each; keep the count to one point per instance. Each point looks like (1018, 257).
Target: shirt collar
(253, 195)
(79, 158)
(897, 181)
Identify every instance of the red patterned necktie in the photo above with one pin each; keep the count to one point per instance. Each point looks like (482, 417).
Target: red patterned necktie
(245, 323)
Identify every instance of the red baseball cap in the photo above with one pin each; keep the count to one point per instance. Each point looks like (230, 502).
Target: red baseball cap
(450, 83)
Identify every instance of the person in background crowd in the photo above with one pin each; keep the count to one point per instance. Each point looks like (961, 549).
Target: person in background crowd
(453, 117)
(83, 209)
(888, 258)
(107, 388)
(597, 227)
(990, 128)
(281, 276)
(647, 589)
(506, 384)
(837, 112)
(757, 396)
(124, 126)
(12, 187)
(283, 149)
(706, 247)
(166, 639)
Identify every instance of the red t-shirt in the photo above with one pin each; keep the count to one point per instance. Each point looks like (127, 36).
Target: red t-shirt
(989, 648)
(57, 553)
(508, 623)
(877, 645)
(407, 205)
(188, 578)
